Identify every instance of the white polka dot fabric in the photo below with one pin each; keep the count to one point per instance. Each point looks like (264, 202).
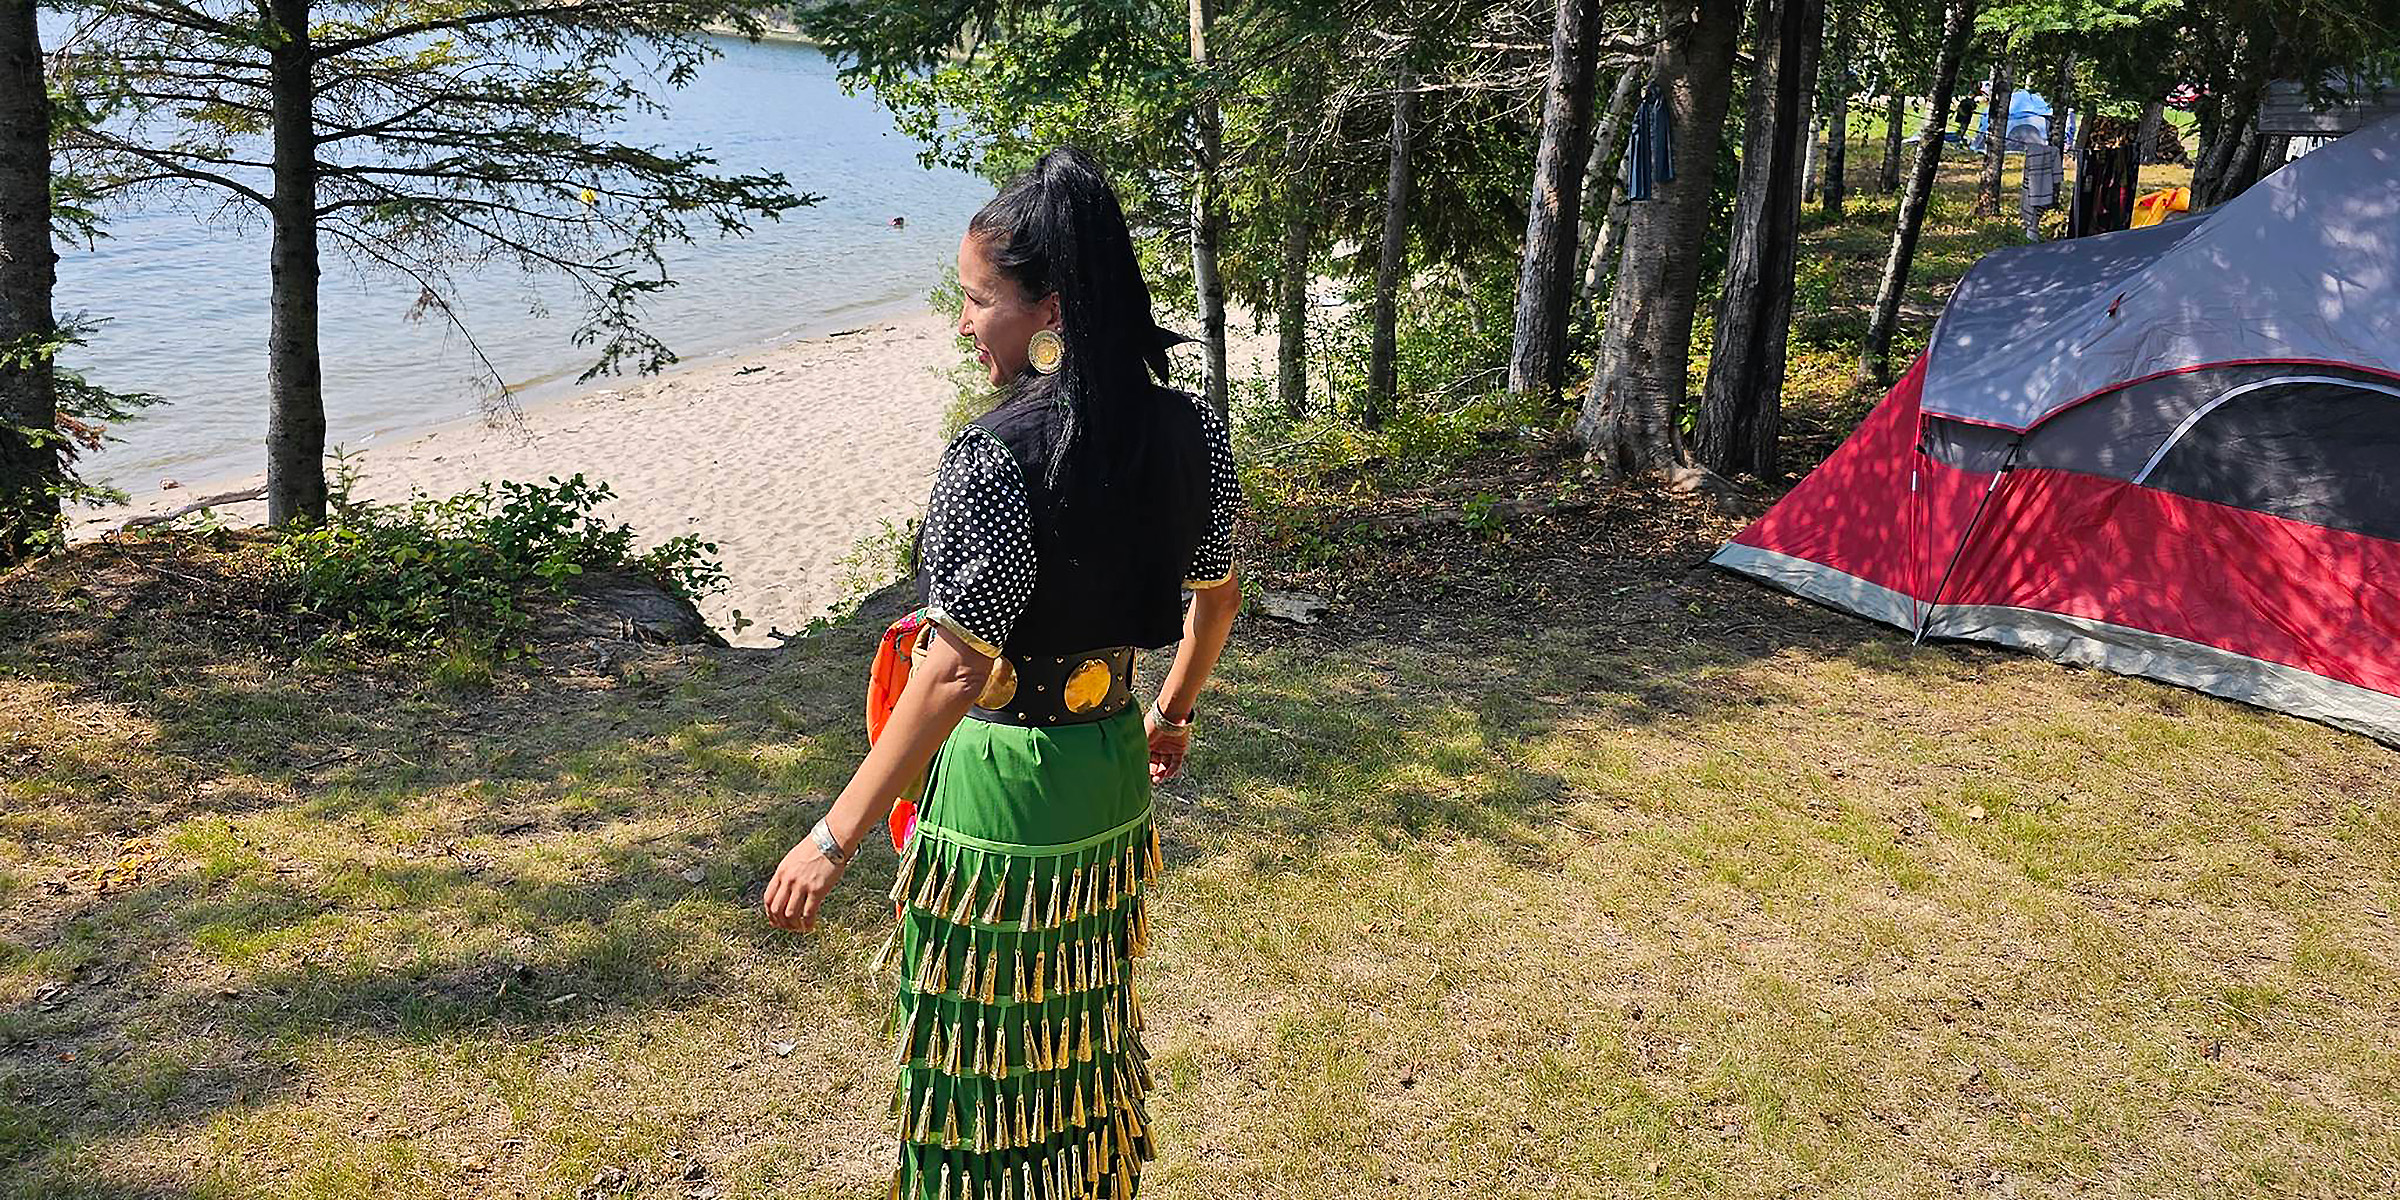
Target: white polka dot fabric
(978, 541)
(1212, 563)
(978, 553)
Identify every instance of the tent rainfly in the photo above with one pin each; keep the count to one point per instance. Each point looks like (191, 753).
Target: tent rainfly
(2171, 452)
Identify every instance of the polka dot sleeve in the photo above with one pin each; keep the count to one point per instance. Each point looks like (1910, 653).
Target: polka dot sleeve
(1212, 563)
(978, 543)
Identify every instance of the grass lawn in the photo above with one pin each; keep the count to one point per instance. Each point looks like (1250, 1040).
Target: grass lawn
(1550, 864)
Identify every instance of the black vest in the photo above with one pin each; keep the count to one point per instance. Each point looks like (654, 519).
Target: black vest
(1111, 562)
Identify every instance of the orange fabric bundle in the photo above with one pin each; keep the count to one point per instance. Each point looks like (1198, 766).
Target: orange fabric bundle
(2159, 205)
(894, 653)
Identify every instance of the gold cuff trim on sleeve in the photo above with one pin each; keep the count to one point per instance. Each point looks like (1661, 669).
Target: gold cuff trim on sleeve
(1198, 585)
(974, 640)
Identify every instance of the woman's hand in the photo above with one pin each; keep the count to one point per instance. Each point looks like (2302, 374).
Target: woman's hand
(1168, 747)
(797, 892)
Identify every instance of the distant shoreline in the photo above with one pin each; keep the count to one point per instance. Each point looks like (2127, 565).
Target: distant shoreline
(776, 31)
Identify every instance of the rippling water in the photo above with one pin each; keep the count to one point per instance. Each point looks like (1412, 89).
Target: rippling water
(187, 297)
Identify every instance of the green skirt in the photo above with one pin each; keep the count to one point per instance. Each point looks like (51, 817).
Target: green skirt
(1022, 908)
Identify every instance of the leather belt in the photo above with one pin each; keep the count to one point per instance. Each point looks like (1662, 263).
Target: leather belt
(1049, 690)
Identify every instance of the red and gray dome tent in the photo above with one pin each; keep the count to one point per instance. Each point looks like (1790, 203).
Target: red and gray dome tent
(2170, 452)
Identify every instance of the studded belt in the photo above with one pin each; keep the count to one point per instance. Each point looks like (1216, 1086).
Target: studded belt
(1046, 690)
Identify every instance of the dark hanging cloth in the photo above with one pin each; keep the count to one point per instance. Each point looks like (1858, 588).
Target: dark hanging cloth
(1650, 149)
(2105, 177)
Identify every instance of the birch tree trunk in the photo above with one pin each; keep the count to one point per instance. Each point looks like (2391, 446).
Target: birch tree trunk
(29, 466)
(1740, 416)
(1600, 174)
(1208, 219)
(295, 370)
(1628, 419)
(1383, 365)
(1875, 363)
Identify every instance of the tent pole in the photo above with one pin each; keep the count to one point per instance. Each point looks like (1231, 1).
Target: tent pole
(1934, 601)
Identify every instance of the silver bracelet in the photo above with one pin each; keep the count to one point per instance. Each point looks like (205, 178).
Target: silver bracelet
(829, 845)
(1182, 726)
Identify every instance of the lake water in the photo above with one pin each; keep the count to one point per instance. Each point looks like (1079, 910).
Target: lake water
(186, 297)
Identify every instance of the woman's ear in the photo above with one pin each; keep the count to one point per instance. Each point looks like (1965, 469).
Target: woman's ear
(1048, 310)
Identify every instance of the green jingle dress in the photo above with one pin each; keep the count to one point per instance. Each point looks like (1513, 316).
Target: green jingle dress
(1023, 890)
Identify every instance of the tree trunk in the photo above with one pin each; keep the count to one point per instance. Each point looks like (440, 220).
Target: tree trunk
(2226, 146)
(2146, 140)
(1837, 144)
(29, 465)
(2249, 157)
(2061, 111)
(1628, 420)
(1875, 363)
(1537, 350)
(1383, 357)
(1995, 139)
(1895, 114)
(1740, 415)
(1208, 218)
(1291, 309)
(295, 372)
(1811, 156)
(1600, 174)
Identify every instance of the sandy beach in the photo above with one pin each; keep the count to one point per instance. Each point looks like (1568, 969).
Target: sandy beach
(784, 457)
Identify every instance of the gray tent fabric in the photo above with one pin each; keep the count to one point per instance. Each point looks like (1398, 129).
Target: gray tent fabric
(2300, 267)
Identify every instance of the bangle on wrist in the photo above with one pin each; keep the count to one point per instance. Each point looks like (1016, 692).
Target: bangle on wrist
(829, 845)
(1182, 726)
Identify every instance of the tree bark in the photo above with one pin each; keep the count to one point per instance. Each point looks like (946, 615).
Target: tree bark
(1537, 348)
(2146, 141)
(29, 465)
(1291, 308)
(2061, 106)
(1875, 363)
(1811, 156)
(1740, 415)
(1628, 419)
(1208, 218)
(1837, 124)
(295, 371)
(1600, 173)
(1383, 358)
(1995, 139)
(1895, 114)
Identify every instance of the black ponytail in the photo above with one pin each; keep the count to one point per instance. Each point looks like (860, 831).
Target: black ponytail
(1059, 228)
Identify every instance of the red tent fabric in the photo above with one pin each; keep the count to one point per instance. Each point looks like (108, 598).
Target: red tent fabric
(2194, 484)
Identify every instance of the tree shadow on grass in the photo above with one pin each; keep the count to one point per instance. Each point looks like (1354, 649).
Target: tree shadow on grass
(1415, 712)
(242, 848)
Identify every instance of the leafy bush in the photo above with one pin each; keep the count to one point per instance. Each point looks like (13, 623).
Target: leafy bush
(431, 570)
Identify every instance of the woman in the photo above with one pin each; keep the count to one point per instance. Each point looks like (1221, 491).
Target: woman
(1063, 528)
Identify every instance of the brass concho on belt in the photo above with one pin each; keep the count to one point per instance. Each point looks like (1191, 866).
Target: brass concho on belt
(1087, 687)
(1000, 687)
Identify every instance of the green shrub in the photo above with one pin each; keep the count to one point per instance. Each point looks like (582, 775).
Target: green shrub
(430, 570)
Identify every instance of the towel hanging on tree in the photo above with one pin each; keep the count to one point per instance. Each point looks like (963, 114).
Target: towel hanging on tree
(1650, 150)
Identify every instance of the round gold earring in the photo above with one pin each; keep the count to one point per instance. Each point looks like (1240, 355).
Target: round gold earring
(1046, 351)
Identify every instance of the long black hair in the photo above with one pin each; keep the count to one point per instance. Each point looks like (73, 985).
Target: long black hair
(1059, 228)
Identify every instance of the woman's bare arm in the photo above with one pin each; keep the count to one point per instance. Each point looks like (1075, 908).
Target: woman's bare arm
(1205, 628)
(940, 690)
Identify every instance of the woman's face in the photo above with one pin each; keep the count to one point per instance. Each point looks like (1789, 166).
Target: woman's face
(996, 315)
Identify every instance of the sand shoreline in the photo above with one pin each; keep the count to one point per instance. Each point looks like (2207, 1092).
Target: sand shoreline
(785, 457)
